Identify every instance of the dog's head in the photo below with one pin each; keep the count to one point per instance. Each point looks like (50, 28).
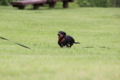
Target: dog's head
(61, 34)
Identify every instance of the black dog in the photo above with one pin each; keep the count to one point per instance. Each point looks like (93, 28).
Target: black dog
(65, 40)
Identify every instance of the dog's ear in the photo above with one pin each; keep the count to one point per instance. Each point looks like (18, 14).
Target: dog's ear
(62, 32)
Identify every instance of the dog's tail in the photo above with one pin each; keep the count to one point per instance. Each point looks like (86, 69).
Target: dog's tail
(77, 43)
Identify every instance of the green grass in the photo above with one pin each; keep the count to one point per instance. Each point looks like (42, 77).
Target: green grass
(92, 27)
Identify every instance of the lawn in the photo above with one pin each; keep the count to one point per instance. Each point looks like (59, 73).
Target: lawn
(97, 57)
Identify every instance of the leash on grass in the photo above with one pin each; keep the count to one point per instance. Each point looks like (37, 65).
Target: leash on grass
(15, 42)
(99, 47)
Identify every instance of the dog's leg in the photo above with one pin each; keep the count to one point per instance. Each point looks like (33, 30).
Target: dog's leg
(60, 44)
(68, 45)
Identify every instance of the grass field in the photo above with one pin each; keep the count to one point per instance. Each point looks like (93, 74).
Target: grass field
(96, 58)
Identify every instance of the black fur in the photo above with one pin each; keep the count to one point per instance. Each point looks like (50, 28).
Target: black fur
(65, 40)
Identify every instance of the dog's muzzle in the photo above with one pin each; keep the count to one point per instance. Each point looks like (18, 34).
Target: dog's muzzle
(58, 35)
